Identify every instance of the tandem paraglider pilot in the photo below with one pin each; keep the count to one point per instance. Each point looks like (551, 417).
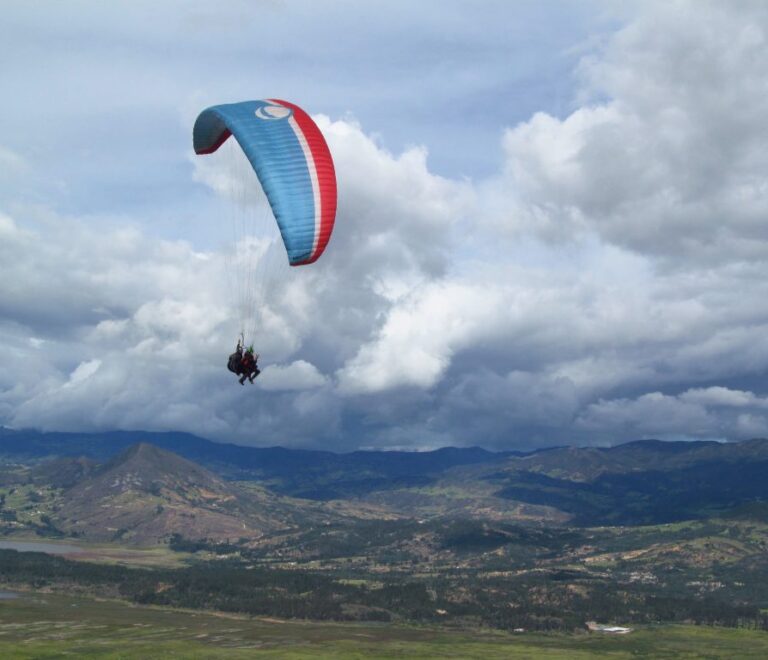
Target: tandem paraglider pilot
(243, 363)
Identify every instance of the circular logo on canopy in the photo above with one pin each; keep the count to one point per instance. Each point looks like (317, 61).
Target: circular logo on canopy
(272, 112)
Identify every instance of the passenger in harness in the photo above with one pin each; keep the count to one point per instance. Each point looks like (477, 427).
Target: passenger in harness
(249, 367)
(244, 363)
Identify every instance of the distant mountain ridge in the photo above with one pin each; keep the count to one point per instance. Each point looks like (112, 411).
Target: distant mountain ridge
(587, 463)
(298, 472)
(642, 482)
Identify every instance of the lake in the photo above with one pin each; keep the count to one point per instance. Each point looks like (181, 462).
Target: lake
(36, 546)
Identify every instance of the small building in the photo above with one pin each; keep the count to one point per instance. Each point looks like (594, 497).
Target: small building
(612, 630)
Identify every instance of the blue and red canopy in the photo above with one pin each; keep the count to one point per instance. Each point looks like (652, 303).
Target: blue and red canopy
(293, 164)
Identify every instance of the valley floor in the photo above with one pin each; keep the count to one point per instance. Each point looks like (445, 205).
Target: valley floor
(43, 625)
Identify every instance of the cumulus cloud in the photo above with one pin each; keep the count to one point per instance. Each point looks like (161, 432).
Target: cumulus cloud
(710, 413)
(667, 156)
(608, 283)
(83, 371)
(421, 333)
(665, 160)
(298, 375)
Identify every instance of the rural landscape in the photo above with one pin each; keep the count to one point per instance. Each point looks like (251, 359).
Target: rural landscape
(443, 544)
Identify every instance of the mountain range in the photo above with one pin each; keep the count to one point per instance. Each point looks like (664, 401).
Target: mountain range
(144, 488)
(299, 472)
(545, 540)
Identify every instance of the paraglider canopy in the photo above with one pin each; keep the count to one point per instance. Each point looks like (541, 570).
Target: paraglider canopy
(293, 164)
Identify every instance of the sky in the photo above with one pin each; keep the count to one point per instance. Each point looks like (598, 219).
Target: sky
(552, 224)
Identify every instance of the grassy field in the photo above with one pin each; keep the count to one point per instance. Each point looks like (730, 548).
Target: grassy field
(103, 553)
(55, 626)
